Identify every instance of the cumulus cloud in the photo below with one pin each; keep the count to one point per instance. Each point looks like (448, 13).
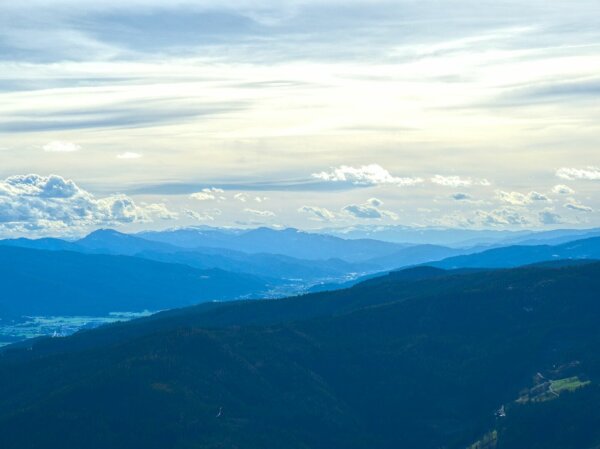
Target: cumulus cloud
(208, 194)
(260, 213)
(318, 213)
(375, 202)
(561, 189)
(588, 173)
(366, 175)
(519, 199)
(369, 210)
(457, 181)
(548, 217)
(59, 146)
(160, 210)
(129, 155)
(52, 203)
(501, 217)
(577, 206)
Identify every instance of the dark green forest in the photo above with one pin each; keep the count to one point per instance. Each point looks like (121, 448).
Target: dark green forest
(424, 358)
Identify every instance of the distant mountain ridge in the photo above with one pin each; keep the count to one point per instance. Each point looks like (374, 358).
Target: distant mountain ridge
(261, 252)
(290, 242)
(517, 255)
(40, 282)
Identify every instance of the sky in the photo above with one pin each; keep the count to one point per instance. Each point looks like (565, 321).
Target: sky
(145, 114)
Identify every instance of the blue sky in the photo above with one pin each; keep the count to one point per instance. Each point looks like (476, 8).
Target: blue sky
(304, 113)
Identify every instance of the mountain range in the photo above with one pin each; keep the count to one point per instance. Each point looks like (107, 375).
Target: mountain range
(37, 282)
(108, 271)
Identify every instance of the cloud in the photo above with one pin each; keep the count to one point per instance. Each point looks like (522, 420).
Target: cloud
(561, 189)
(519, 199)
(589, 173)
(207, 215)
(457, 181)
(51, 203)
(375, 202)
(363, 211)
(576, 205)
(461, 197)
(369, 210)
(242, 197)
(59, 146)
(318, 213)
(260, 213)
(209, 194)
(139, 113)
(366, 175)
(160, 210)
(536, 196)
(202, 196)
(129, 155)
(501, 217)
(548, 217)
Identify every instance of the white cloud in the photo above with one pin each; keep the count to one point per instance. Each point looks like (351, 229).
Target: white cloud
(366, 175)
(576, 205)
(202, 196)
(561, 189)
(59, 146)
(209, 194)
(457, 181)
(318, 213)
(260, 213)
(589, 173)
(129, 155)
(242, 197)
(51, 203)
(520, 199)
(160, 210)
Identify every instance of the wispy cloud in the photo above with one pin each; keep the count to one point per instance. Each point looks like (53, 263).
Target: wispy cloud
(577, 206)
(129, 155)
(59, 146)
(318, 213)
(260, 213)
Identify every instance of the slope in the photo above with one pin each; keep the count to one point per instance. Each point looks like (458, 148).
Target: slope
(389, 363)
